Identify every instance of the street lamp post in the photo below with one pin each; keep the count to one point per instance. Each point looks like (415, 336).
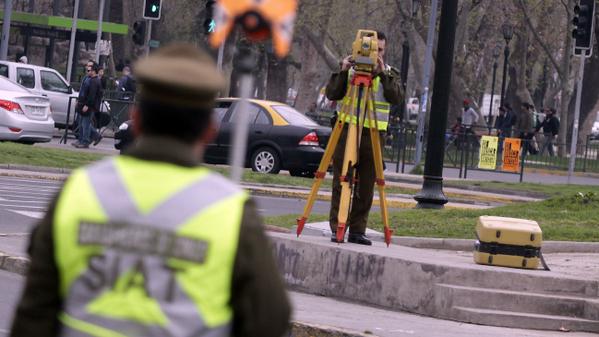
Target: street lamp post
(508, 32)
(431, 195)
(496, 53)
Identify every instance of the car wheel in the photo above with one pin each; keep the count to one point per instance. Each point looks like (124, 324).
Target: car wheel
(266, 160)
(301, 173)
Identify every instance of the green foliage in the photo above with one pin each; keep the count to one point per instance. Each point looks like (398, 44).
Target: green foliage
(417, 170)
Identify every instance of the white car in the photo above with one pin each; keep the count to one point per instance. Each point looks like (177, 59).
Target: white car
(595, 131)
(24, 116)
(412, 108)
(46, 82)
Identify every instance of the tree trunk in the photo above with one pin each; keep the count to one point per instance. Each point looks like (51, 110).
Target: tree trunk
(277, 86)
(311, 77)
(566, 92)
(517, 91)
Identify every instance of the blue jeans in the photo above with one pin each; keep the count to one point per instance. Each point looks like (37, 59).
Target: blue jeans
(87, 131)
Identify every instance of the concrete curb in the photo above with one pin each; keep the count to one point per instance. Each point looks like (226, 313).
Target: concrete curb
(14, 264)
(464, 245)
(301, 329)
(35, 168)
(438, 284)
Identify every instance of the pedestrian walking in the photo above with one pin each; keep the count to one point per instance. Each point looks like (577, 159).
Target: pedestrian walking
(387, 91)
(503, 125)
(550, 126)
(469, 120)
(525, 128)
(151, 243)
(88, 105)
(126, 84)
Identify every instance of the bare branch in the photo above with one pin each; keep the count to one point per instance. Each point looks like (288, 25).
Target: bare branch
(327, 55)
(539, 40)
(566, 4)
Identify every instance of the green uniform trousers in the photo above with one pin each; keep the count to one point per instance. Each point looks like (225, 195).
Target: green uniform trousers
(364, 191)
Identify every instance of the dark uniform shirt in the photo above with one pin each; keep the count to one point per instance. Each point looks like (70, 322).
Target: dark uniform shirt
(337, 86)
(549, 125)
(260, 304)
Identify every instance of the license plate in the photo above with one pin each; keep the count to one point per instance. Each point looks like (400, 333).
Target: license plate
(36, 110)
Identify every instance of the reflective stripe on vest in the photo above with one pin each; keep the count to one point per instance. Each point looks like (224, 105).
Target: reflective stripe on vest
(381, 107)
(163, 270)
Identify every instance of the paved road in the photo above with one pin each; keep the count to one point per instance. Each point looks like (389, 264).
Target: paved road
(9, 295)
(23, 201)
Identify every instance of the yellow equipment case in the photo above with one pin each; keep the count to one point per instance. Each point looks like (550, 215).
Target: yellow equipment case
(508, 242)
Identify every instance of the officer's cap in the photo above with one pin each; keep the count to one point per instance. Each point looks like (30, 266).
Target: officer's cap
(179, 74)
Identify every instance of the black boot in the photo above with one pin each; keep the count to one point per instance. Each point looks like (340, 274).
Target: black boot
(360, 239)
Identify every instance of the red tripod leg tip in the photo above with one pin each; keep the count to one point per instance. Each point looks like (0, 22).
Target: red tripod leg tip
(388, 234)
(300, 225)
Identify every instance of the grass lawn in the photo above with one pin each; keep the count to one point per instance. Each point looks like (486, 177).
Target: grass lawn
(566, 218)
(14, 153)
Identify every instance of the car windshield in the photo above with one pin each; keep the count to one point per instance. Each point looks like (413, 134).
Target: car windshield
(293, 116)
(8, 85)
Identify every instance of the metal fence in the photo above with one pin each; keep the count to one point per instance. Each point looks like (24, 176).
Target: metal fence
(462, 150)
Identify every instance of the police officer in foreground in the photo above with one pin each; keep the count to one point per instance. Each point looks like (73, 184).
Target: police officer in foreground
(150, 244)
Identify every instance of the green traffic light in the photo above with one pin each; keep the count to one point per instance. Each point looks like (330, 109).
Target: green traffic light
(154, 8)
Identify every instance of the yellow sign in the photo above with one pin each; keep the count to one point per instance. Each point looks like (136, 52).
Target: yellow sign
(511, 154)
(487, 159)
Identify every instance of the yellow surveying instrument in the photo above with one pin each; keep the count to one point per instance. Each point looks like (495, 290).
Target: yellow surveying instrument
(361, 109)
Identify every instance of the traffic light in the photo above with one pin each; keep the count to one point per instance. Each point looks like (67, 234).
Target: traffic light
(209, 23)
(584, 15)
(152, 9)
(139, 32)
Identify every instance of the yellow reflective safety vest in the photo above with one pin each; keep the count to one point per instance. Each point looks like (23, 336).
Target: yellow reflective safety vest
(141, 255)
(381, 107)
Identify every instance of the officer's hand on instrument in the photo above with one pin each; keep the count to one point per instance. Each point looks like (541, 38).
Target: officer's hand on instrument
(347, 63)
(380, 66)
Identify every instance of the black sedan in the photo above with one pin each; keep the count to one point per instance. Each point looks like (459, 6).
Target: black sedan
(280, 138)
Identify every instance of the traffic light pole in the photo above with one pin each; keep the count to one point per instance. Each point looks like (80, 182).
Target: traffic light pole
(72, 42)
(430, 39)
(576, 120)
(247, 63)
(148, 36)
(219, 61)
(99, 35)
(6, 29)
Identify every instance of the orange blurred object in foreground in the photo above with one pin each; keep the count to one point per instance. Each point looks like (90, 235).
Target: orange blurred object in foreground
(258, 19)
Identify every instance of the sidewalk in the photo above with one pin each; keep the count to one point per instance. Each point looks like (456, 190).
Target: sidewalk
(385, 323)
(370, 291)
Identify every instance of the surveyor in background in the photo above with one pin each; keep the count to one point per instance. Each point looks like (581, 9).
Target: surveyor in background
(387, 92)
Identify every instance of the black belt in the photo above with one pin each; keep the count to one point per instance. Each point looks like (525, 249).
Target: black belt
(503, 249)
